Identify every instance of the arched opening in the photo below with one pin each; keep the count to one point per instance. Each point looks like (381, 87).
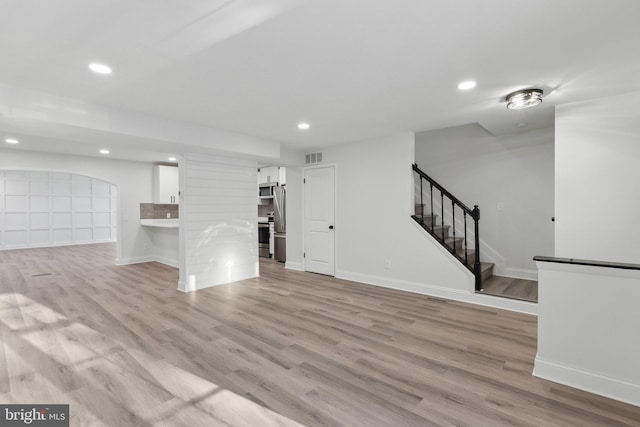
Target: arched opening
(46, 208)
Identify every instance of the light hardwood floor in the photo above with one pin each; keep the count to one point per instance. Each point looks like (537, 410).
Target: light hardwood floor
(123, 347)
(509, 287)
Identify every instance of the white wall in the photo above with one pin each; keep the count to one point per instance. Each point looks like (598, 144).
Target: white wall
(133, 179)
(587, 329)
(218, 221)
(597, 175)
(515, 170)
(166, 246)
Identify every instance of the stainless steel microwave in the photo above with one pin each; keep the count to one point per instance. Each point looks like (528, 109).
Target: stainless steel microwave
(266, 190)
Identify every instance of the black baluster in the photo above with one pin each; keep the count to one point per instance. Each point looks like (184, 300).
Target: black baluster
(453, 220)
(431, 206)
(421, 203)
(477, 270)
(466, 254)
(442, 213)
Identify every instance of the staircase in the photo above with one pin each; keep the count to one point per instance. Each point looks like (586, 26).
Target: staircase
(436, 210)
(441, 234)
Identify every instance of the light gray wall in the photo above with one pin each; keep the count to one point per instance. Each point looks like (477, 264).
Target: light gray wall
(597, 175)
(374, 203)
(586, 329)
(515, 170)
(133, 179)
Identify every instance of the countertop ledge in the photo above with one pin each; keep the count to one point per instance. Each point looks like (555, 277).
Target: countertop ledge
(163, 223)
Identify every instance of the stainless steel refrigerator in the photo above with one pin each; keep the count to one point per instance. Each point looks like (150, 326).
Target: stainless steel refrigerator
(280, 223)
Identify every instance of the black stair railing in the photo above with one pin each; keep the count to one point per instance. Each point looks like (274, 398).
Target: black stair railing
(458, 246)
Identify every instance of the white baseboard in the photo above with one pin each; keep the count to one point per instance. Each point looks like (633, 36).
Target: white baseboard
(167, 261)
(588, 381)
(134, 260)
(53, 245)
(149, 258)
(294, 266)
(441, 292)
(520, 273)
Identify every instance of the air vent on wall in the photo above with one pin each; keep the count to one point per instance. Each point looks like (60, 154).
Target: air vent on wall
(312, 158)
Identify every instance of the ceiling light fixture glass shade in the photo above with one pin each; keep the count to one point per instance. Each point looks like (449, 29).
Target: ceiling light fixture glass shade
(524, 99)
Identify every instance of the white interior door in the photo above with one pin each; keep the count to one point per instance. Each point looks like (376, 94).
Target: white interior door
(319, 214)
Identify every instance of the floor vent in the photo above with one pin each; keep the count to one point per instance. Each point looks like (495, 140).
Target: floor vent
(313, 158)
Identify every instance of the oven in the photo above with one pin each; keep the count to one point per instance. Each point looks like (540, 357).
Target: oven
(264, 239)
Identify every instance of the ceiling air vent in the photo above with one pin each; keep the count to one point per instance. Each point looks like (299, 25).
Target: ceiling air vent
(313, 158)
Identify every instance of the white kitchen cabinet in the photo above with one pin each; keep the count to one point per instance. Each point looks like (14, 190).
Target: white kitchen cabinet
(165, 184)
(282, 173)
(268, 174)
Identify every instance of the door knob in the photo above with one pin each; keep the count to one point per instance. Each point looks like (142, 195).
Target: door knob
(331, 227)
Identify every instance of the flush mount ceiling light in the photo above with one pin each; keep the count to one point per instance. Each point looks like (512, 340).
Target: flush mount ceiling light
(303, 126)
(11, 141)
(100, 68)
(104, 151)
(470, 84)
(524, 99)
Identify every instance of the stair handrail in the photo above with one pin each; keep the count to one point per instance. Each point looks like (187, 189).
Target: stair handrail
(445, 191)
(474, 213)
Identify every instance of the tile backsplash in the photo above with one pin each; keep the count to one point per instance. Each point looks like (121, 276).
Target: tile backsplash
(157, 211)
(263, 209)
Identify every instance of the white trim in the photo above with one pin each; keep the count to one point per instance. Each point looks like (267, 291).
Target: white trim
(587, 381)
(54, 245)
(135, 260)
(441, 292)
(297, 266)
(167, 261)
(519, 273)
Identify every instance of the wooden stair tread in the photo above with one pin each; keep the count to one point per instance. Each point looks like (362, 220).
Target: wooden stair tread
(486, 268)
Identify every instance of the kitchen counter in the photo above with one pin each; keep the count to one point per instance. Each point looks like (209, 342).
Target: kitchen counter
(162, 223)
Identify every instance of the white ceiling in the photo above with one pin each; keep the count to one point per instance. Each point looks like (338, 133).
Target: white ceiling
(354, 69)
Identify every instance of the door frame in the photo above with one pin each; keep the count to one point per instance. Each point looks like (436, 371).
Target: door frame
(335, 216)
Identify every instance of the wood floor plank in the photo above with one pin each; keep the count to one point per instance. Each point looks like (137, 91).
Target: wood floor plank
(123, 347)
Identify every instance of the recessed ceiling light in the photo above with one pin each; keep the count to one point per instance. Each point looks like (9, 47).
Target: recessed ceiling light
(304, 126)
(104, 151)
(524, 99)
(172, 159)
(11, 141)
(521, 124)
(100, 68)
(469, 84)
